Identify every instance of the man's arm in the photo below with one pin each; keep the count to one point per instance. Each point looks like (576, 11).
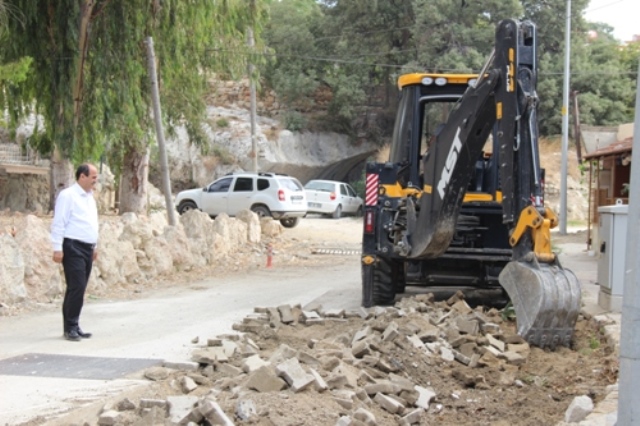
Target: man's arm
(60, 219)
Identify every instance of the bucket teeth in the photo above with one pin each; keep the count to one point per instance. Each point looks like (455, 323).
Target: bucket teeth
(546, 300)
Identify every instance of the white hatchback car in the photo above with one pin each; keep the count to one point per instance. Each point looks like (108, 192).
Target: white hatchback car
(267, 194)
(333, 198)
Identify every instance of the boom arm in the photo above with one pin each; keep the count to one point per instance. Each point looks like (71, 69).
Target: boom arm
(505, 99)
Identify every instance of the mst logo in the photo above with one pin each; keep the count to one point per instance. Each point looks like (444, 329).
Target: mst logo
(452, 158)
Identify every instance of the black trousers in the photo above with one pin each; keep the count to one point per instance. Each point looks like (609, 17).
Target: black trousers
(77, 262)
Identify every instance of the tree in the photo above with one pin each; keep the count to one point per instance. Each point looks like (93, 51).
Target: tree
(457, 36)
(90, 81)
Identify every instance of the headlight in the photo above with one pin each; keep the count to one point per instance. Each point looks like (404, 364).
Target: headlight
(472, 82)
(441, 81)
(427, 81)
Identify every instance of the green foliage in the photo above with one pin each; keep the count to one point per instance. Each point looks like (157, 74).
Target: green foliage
(222, 122)
(294, 121)
(93, 89)
(508, 313)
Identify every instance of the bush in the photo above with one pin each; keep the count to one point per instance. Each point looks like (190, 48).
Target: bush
(294, 121)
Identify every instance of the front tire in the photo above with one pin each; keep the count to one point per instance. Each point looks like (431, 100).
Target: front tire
(290, 222)
(185, 206)
(378, 287)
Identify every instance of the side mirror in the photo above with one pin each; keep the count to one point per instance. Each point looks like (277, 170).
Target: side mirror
(205, 189)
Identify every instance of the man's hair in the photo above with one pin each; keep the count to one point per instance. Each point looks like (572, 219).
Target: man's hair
(83, 169)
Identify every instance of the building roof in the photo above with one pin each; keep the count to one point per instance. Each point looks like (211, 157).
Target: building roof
(619, 147)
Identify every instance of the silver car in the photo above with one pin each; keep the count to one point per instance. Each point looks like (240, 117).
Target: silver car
(330, 197)
(267, 194)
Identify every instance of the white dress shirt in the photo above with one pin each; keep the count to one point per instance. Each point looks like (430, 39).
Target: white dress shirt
(75, 217)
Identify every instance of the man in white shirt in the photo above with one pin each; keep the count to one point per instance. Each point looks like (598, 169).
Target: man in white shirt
(74, 235)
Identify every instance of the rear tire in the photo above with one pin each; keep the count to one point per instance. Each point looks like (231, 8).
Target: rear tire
(338, 212)
(261, 211)
(185, 206)
(290, 222)
(359, 212)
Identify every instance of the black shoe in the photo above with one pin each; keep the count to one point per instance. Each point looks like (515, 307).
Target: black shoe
(83, 334)
(72, 335)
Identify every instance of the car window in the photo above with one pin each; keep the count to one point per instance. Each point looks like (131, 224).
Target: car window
(221, 185)
(243, 184)
(351, 191)
(291, 184)
(320, 186)
(263, 184)
(343, 190)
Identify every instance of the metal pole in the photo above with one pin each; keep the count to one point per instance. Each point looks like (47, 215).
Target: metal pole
(252, 99)
(565, 123)
(157, 115)
(628, 407)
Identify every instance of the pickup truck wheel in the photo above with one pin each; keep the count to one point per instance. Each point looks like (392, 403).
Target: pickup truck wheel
(359, 212)
(338, 212)
(261, 211)
(185, 206)
(290, 222)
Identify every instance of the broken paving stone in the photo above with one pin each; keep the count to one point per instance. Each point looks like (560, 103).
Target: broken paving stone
(361, 334)
(109, 418)
(514, 358)
(294, 374)
(156, 373)
(383, 386)
(181, 365)
(320, 385)
(210, 355)
(403, 382)
(360, 349)
(187, 384)
(246, 409)
(390, 333)
(150, 403)
(265, 380)
(426, 395)
(365, 416)
(412, 417)
(125, 405)
(182, 409)
(213, 413)
(467, 326)
(490, 328)
(580, 407)
(334, 313)
(462, 307)
(498, 344)
(286, 316)
(389, 404)
(446, 354)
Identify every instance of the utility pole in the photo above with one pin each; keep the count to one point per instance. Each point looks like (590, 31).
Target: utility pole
(155, 96)
(628, 407)
(577, 134)
(252, 100)
(565, 123)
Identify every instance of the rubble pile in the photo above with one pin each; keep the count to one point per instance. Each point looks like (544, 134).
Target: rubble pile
(418, 362)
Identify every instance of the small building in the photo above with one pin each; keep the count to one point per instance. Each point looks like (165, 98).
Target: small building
(609, 176)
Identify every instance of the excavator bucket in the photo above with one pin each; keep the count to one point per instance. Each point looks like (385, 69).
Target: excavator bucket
(546, 300)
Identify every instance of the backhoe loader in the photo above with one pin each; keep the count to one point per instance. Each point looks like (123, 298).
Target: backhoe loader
(460, 202)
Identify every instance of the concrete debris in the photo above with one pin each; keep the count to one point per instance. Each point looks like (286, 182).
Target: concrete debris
(356, 371)
(580, 407)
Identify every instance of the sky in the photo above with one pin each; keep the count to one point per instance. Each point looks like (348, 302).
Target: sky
(622, 15)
